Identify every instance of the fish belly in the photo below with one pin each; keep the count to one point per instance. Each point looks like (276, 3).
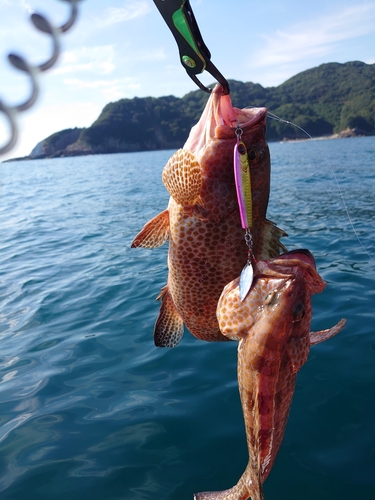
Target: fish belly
(204, 255)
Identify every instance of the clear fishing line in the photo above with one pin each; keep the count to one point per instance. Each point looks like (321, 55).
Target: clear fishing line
(277, 118)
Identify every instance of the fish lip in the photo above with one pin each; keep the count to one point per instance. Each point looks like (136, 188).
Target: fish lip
(297, 265)
(246, 118)
(218, 89)
(253, 118)
(302, 254)
(282, 265)
(259, 116)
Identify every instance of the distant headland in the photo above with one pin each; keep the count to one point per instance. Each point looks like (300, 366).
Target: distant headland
(330, 100)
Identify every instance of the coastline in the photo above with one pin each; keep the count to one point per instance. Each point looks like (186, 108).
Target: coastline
(344, 134)
(347, 133)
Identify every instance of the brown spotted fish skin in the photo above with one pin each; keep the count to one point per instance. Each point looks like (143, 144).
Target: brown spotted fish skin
(272, 325)
(206, 241)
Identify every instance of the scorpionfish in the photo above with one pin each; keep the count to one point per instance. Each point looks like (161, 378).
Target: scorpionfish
(272, 325)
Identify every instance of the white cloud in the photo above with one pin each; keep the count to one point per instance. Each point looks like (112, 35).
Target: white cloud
(88, 84)
(20, 3)
(91, 62)
(27, 6)
(88, 59)
(131, 10)
(152, 55)
(316, 37)
(111, 90)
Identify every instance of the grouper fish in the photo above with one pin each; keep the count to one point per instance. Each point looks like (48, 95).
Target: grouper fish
(272, 325)
(207, 248)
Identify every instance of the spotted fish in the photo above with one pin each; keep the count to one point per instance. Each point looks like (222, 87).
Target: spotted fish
(206, 241)
(272, 325)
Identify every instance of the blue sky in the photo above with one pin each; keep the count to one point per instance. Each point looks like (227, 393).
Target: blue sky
(123, 48)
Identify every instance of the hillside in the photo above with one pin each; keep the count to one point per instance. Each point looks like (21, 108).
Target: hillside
(324, 100)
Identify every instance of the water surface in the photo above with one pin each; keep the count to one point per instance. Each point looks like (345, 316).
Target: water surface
(89, 406)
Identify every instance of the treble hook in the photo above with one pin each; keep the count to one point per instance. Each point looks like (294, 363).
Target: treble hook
(42, 24)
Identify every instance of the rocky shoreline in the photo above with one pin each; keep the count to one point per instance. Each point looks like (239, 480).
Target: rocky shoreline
(77, 149)
(344, 134)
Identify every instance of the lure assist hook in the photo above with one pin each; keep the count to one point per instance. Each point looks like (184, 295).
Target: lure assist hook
(194, 54)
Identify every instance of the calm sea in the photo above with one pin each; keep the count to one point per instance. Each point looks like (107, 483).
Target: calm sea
(88, 405)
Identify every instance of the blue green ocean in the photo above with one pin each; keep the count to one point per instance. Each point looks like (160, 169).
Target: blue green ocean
(89, 406)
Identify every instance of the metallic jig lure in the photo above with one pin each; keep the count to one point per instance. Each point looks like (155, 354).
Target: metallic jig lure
(245, 203)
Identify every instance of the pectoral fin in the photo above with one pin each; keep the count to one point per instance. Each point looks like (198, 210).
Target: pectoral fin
(169, 326)
(155, 233)
(271, 245)
(183, 178)
(322, 335)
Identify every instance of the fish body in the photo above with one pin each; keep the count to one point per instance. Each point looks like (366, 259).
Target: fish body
(202, 222)
(272, 325)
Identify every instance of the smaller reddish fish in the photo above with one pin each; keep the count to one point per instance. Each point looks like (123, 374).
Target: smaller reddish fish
(272, 325)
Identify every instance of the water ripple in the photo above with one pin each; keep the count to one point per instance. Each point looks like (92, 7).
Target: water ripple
(90, 406)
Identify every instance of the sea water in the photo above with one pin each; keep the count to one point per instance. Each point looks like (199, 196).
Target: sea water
(89, 406)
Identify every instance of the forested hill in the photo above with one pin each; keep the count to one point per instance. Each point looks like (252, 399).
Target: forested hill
(325, 100)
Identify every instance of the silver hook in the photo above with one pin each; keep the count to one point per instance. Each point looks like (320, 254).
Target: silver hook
(42, 24)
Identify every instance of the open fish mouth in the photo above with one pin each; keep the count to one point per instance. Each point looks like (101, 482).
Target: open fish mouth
(300, 258)
(301, 254)
(250, 117)
(298, 263)
(225, 115)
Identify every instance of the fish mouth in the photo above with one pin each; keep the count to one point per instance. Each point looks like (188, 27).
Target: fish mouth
(229, 116)
(296, 263)
(301, 257)
(250, 117)
(301, 254)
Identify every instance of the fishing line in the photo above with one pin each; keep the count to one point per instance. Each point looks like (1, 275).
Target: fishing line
(277, 118)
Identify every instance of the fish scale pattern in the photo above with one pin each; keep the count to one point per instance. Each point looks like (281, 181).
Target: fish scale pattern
(272, 325)
(207, 248)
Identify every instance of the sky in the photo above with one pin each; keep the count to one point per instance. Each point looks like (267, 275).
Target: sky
(123, 48)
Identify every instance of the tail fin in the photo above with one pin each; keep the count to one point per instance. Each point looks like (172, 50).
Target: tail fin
(244, 489)
(214, 495)
(249, 486)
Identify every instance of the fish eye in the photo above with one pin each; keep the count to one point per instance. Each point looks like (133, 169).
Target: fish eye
(252, 155)
(298, 312)
(270, 298)
(255, 154)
